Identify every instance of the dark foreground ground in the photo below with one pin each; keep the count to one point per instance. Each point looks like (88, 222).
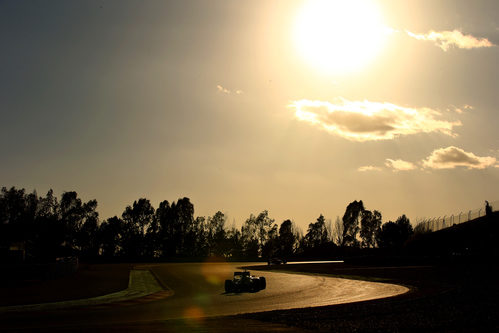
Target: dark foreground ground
(459, 297)
(88, 281)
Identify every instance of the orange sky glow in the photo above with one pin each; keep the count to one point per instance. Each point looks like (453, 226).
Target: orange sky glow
(295, 107)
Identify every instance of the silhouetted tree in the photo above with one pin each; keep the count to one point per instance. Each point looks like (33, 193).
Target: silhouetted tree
(177, 228)
(337, 235)
(72, 215)
(351, 223)
(215, 234)
(193, 242)
(370, 224)
(87, 237)
(395, 234)
(136, 219)
(49, 230)
(152, 248)
(271, 246)
(139, 215)
(235, 244)
(202, 241)
(111, 236)
(183, 217)
(255, 233)
(16, 215)
(249, 237)
(166, 233)
(405, 225)
(316, 236)
(287, 239)
(264, 224)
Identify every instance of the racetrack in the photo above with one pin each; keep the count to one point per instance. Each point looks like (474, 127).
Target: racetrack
(198, 292)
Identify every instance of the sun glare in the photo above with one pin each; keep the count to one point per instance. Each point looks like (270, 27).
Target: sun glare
(338, 36)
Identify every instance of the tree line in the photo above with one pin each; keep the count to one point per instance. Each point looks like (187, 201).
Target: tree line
(47, 227)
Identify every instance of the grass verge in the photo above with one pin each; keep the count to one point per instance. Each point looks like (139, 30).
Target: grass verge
(89, 281)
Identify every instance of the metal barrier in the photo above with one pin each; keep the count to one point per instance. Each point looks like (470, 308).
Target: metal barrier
(446, 221)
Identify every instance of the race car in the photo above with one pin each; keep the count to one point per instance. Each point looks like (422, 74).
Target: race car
(244, 281)
(276, 261)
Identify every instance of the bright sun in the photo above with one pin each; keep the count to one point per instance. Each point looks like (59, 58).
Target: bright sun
(339, 36)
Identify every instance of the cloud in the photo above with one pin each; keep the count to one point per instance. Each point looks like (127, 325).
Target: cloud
(370, 121)
(368, 168)
(227, 91)
(461, 109)
(454, 38)
(399, 165)
(223, 90)
(451, 157)
(443, 158)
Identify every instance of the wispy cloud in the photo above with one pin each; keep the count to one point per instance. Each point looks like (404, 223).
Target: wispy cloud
(451, 157)
(368, 168)
(442, 158)
(461, 109)
(454, 38)
(227, 91)
(223, 90)
(399, 165)
(368, 121)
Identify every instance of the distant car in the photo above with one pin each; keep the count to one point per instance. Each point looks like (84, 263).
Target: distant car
(244, 281)
(276, 261)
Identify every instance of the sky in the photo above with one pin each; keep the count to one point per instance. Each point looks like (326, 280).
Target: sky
(295, 107)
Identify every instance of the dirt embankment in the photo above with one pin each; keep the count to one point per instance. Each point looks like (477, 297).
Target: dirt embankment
(443, 298)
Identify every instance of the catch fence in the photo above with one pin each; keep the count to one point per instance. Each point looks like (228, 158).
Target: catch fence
(442, 222)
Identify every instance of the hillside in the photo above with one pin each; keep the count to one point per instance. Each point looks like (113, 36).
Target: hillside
(476, 238)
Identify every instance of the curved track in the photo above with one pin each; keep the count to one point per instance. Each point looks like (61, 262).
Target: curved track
(198, 292)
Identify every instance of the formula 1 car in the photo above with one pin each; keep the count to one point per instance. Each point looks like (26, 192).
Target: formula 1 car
(243, 281)
(276, 261)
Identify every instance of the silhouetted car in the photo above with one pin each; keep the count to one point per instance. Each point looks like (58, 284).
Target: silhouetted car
(243, 281)
(276, 261)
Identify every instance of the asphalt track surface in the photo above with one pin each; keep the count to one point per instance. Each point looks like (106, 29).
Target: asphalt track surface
(196, 290)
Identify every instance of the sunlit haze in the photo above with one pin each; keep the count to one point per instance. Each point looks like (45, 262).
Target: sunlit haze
(339, 36)
(295, 107)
